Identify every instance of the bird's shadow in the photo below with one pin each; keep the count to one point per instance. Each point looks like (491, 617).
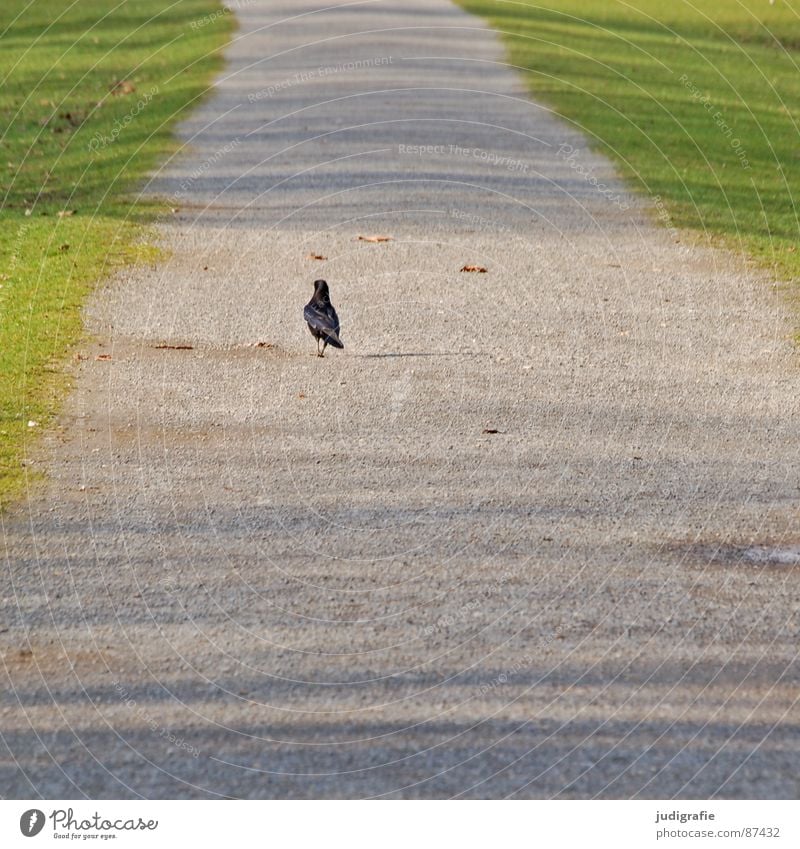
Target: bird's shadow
(416, 354)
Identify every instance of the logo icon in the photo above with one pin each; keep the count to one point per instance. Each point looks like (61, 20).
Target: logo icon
(31, 822)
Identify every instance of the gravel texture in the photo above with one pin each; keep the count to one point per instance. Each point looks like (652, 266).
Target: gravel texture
(533, 533)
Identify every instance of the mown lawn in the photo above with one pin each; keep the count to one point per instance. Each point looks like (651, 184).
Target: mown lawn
(699, 103)
(89, 92)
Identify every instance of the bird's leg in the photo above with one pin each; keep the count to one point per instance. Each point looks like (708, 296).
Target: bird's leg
(318, 353)
(324, 346)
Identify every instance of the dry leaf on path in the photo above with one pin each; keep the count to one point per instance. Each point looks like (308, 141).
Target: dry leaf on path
(479, 268)
(374, 238)
(316, 256)
(174, 347)
(103, 357)
(122, 87)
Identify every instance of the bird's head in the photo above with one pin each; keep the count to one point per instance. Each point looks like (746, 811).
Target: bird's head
(321, 288)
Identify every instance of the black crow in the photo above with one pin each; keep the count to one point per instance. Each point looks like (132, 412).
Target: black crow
(322, 319)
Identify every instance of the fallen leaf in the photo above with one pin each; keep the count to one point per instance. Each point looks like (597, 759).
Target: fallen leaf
(64, 247)
(264, 345)
(174, 347)
(122, 87)
(301, 395)
(66, 212)
(103, 357)
(316, 256)
(374, 238)
(491, 430)
(479, 268)
(32, 423)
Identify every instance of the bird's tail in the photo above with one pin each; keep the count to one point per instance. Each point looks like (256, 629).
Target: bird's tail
(333, 339)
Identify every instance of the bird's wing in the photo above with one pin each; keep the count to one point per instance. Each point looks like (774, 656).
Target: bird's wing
(316, 317)
(323, 322)
(311, 315)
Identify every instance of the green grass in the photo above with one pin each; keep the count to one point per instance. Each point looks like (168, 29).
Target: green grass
(645, 80)
(71, 144)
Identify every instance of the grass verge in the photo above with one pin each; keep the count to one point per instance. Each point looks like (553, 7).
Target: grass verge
(698, 102)
(89, 93)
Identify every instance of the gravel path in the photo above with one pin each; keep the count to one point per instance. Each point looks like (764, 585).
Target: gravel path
(533, 533)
